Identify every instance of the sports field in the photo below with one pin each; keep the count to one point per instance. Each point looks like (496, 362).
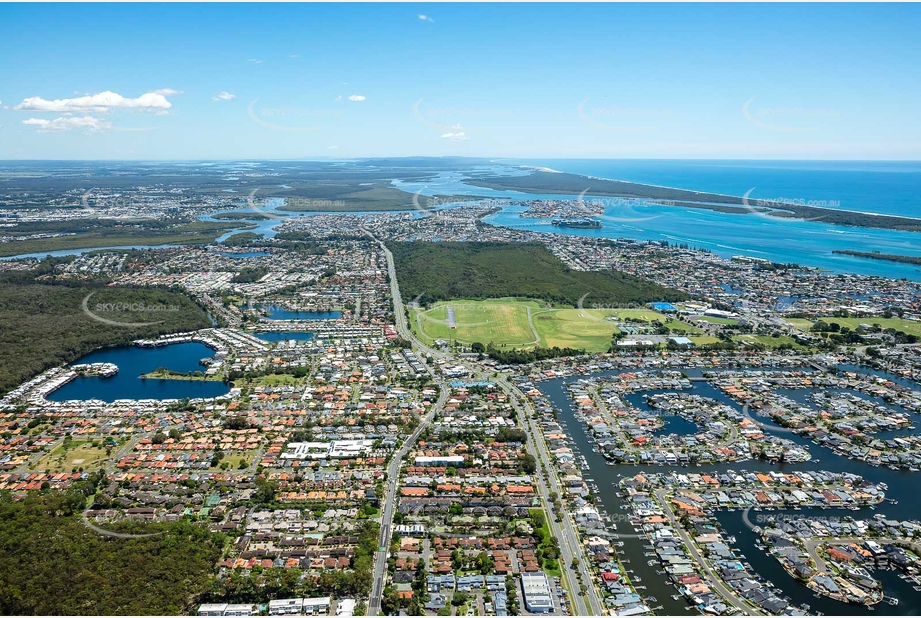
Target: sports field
(526, 323)
(906, 326)
(503, 322)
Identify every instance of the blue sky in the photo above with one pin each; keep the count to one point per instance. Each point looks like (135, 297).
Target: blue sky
(190, 81)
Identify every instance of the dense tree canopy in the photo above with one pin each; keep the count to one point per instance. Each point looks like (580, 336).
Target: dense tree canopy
(453, 270)
(42, 326)
(54, 564)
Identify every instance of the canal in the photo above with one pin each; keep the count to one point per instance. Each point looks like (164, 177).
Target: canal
(902, 486)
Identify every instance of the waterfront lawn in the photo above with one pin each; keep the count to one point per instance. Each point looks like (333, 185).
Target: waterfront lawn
(86, 454)
(168, 374)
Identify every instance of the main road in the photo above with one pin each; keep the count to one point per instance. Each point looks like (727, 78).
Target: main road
(393, 470)
(570, 547)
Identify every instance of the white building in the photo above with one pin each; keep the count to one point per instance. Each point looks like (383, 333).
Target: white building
(538, 595)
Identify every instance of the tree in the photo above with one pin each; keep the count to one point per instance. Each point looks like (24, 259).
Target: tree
(528, 463)
(265, 490)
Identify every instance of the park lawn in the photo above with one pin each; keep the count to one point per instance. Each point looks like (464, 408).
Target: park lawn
(575, 328)
(704, 340)
(504, 322)
(767, 340)
(909, 327)
(723, 321)
(501, 321)
(800, 323)
(277, 379)
(649, 315)
(81, 454)
(235, 457)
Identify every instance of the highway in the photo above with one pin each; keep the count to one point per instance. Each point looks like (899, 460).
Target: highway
(570, 547)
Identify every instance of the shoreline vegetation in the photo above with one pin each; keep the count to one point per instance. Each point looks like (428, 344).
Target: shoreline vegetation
(28, 307)
(876, 255)
(574, 184)
(168, 374)
(97, 233)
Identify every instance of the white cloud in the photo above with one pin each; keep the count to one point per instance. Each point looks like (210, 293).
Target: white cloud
(255, 60)
(292, 55)
(224, 96)
(357, 97)
(167, 92)
(426, 18)
(459, 136)
(68, 123)
(102, 102)
(339, 98)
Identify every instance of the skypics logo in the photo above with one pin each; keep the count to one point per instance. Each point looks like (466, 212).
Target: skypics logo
(615, 210)
(295, 204)
(433, 206)
(796, 206)
(122, 309)
(786, 119)
(759, 520)
(115, 535)
(621, 119)
(266, 117)
(455, 124)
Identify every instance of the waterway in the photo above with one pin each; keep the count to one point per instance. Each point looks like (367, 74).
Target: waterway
(285, 336)
(861, 186)
(280, 313)
(903, 487)
(132, 362)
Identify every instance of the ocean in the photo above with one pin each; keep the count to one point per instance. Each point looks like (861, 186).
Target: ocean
(879, 187)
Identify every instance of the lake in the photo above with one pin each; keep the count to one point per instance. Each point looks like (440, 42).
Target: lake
(285, 335)
(132, 361)
(280, 313)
